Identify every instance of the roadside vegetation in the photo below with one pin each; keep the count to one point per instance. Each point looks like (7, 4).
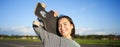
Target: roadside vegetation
(110, 40)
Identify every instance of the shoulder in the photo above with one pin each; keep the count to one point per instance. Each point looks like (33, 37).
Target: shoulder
(71, 43)
(76, 44)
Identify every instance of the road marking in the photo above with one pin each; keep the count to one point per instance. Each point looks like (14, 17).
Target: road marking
(12, 44)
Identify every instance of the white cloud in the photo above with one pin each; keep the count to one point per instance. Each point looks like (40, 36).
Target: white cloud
(83, 31)
(89, 31)
(100, 33)
(24, 30)
(17, 30)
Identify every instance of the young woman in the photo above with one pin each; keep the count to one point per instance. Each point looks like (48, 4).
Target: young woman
(66, 32)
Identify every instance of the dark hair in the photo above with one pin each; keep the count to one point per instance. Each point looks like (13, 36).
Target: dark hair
(71, 22)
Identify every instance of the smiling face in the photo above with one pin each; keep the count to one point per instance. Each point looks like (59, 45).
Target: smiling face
(65, 27)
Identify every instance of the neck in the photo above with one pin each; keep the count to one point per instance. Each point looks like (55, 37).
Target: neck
(68, 37)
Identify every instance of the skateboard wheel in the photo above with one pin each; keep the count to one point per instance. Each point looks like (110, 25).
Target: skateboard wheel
(55, 13)
(43, 5)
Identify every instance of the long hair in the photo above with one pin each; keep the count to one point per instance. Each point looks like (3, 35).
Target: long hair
(71, 22)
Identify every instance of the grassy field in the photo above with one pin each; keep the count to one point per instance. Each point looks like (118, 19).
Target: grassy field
(21, 40)
(80, 41)
(103, 42)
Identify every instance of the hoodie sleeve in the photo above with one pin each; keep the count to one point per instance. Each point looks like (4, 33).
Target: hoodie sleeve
(48, 39)
(41, 32)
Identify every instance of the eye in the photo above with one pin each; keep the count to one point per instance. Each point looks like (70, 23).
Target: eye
(65, 23)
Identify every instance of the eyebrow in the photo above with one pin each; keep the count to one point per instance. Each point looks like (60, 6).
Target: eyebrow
(65, 22)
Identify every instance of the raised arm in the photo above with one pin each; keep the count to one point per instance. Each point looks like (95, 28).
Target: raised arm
(47, 38)
(40, 31)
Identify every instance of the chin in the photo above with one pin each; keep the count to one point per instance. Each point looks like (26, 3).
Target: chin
(64, 35)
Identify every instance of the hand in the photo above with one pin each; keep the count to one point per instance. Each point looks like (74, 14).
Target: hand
(36, 23)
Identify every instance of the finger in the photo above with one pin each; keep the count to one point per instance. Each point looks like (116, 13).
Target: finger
(36, 23)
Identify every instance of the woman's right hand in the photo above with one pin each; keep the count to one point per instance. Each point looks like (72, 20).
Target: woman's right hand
(36, 23)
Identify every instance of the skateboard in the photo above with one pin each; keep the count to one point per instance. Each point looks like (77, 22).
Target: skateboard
(49, 18)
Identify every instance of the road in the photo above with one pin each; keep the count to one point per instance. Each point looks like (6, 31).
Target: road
(36, 44)
(19, 44)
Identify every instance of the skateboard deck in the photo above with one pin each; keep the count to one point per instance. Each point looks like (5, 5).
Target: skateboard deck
(48, 18)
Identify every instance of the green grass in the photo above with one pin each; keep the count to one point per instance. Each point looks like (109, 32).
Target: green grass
(21, 40)
(80, 41)
(103, 42)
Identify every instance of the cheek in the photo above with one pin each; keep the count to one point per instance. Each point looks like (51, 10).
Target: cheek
(69, 28)
(59, 29)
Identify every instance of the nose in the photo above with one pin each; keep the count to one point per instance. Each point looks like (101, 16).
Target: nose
(62, 27)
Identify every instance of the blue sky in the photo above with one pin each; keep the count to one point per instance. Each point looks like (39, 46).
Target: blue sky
(101, 17)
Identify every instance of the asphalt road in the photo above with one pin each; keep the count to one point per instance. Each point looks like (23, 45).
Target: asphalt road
(36, 44)
(19, 44)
